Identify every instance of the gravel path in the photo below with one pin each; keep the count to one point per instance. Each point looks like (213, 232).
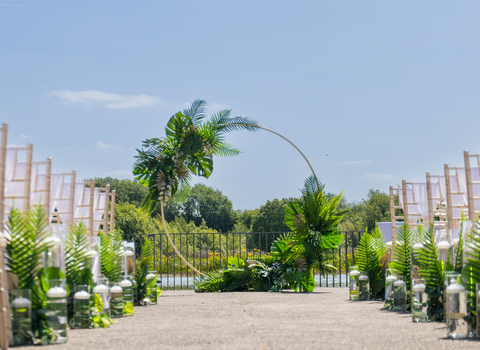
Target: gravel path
(324, 319)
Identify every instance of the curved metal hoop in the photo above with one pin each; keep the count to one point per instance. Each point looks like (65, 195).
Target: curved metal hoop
(162, 205)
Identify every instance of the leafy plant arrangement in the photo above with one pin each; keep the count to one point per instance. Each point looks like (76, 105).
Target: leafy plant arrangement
(371, 253)
(432, 269)
(111, 255)
(401, 263)
(100, 319)
(314, 221)
(77, 262)
(471, 272)
(26, 246)
(166, 165)
(141, 271)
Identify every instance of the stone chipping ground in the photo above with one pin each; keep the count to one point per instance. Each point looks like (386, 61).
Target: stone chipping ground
(324, 319)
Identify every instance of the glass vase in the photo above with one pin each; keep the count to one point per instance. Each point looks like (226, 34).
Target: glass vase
(116, 300)
(56, 310)
(456, 312)
(101, 297)
(81, 306)
(419, 300)
(353, 282)
(127, 286)
(363, 287)
(151, 288)
(399, 295)
(21, 316)
(389, 279)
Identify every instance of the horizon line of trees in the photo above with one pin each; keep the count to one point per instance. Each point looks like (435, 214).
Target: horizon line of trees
(208, 210)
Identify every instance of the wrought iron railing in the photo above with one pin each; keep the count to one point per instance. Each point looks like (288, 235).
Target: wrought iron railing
(210, 251)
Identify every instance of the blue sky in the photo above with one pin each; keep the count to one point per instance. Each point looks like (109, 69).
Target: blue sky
(389, 90)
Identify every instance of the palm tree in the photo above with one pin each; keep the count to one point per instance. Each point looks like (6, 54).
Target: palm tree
(166, 165)
(314, 220)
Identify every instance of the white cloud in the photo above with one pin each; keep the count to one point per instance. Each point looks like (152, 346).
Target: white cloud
(356, 162)
(103, 145)
(377, 176)
(106, 99)
(123, 173)
(68, 148)
(23, 136)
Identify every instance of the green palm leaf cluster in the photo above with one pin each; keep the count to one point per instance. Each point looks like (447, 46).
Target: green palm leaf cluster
(371, 253)
(166, 165)
(432, 269)
(471, 272)
(141, 270)
(401, 263)
(314, 221)
(27, 245)
(77, 258)
(237, 276)
(111, 255)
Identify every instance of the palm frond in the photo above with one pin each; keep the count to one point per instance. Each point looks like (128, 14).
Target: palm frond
(401, 263)
(76, 254)
(111, 256)
(197, 111)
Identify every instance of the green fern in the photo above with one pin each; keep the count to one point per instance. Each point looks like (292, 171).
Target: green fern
(141, 271)
(110, 255)
(76, 255)
(401, 263)
(471, 273)
(371, 250)
(433, 271)
(459, 250)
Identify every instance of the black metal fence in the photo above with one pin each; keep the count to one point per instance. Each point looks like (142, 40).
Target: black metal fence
(210, 251)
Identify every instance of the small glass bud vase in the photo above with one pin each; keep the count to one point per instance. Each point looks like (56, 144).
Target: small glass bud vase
(354, 274)
(457, 326)
(363, 287)
(116, 300)
(127, 287)
(21, 315)
(399, 295)
(101, 297)
(81, 306)
(419, 300)
(151, 288)
(389, 279)
(56, 310)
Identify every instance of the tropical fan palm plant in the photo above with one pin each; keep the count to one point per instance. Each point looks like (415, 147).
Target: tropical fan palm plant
(111, 255)
(166, 165)
(471, 271)
(432, 269)
(370, 255)
(314, 221)
(26, 245)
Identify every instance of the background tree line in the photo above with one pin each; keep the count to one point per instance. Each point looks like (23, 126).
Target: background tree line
(208, 210)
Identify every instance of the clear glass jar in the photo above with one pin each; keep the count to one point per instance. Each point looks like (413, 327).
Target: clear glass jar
(81, 306)
(56, 310)
(457, 326)
(399, 295)
(116, 300)
(419, 300)
(389, 279)
(151, 288)
(21, 316)
(363, 286)
(353, 274)
(101, 295)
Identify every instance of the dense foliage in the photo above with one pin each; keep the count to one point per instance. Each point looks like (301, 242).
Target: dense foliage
(371, 258)
(313, 221)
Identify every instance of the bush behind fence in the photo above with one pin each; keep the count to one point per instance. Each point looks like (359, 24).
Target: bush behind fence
(210, 251)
